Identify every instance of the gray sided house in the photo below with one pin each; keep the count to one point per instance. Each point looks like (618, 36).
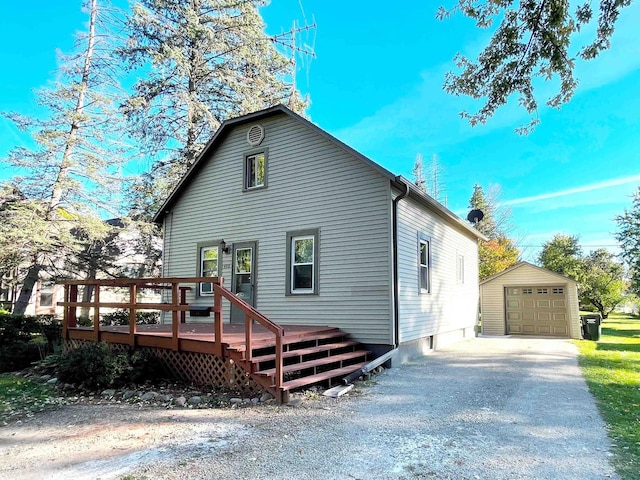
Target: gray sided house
(309, 231)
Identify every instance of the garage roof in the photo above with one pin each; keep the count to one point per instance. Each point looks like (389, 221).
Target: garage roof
(522, 264)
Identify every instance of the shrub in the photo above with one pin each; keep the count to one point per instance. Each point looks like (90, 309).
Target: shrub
(25, 339)
(96, 365)
(121, 317)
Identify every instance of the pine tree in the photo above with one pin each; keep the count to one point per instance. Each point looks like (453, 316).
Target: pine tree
(203, 61)
(499, 252)
(418, 174)
(69, 173)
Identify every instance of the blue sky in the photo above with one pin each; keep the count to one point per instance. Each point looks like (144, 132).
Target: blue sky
(376, 84)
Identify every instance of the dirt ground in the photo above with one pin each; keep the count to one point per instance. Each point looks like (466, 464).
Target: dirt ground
(486, 408)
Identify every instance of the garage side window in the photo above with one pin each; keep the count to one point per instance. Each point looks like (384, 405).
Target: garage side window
(424, 263)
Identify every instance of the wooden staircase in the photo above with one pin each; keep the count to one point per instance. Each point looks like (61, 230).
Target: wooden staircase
(322, 355)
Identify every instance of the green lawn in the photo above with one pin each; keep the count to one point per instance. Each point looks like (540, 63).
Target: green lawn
(20, 397)
(611, 367)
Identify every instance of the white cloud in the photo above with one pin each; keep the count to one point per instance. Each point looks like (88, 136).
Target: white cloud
(573, 191)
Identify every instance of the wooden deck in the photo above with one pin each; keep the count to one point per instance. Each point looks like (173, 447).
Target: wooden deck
(194, 337)
(264, 350)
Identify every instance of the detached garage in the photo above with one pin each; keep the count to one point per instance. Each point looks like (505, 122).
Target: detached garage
(529, 300)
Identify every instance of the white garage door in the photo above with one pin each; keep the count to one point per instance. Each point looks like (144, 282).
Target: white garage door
(537, 311)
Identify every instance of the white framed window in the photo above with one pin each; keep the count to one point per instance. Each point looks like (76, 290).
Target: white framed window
(46, 294)
(460, 268)
(209, 266)
(255, 170)
(302, 262)
(424, 263)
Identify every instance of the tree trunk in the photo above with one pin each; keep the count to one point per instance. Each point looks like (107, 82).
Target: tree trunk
(27, 288)
(66, 163)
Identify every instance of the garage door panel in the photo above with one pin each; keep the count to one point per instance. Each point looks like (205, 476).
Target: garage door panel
(536, 310)
(561, 330)
(515, 328)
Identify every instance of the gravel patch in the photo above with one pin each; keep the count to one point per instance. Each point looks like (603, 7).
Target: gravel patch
(498, 408)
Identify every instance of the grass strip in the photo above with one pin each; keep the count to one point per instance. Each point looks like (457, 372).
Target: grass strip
(611, 368)
(21, 397)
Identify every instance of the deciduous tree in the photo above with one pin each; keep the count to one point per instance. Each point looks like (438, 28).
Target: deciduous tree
(563, 254)
(629, 237)
(602, 282)
(533, 39)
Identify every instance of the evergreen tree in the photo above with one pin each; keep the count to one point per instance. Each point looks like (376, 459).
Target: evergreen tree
(499, 252)
(418, 174)
(203, 61)
(69, 173)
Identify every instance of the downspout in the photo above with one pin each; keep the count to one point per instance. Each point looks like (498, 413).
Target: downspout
(396, 300)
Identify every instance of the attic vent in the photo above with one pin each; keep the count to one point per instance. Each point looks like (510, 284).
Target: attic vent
(255, 135)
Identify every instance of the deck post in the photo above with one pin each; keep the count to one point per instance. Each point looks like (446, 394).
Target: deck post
(248, 334)
(175, 317)
(73, 297)
(217, 322)
(183, 301)
(65, 315)
(96, 312)
(133, 296)
(279, 377)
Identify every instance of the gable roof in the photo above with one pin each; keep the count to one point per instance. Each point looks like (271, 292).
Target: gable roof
(397, 181)
(526, 264)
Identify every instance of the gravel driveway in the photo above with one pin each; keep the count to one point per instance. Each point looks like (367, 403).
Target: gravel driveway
(487, 408)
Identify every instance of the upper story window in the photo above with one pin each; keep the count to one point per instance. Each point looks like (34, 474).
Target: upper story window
(302, 262)
(209, 266)
(424, 263)
(255, 170)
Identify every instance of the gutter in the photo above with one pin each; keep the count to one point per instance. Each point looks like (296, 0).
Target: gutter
(369, 366)
(396, 300)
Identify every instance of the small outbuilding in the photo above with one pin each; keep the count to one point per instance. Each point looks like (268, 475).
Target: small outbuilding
(529, 300)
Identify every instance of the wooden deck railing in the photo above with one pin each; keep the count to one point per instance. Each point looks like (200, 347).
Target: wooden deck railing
(177, 305)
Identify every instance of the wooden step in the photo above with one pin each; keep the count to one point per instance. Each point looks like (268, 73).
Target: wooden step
(316, 363)
(319, 377)
(288, 340)
(326, 347)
